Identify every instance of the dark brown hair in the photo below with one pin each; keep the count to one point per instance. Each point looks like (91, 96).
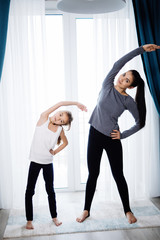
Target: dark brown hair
(140, 96)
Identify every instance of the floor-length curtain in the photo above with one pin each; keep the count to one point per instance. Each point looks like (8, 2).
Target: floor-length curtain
(115, 36)
(4, 11)
(147, 22)
(22, 94)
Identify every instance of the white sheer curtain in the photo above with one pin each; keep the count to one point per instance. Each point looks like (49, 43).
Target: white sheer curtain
(115, 36)
(112, 36)
(28, 87)
(25, 91)
(22, 95)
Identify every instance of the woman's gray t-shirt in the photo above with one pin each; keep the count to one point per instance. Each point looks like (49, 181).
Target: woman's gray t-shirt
(111, 104)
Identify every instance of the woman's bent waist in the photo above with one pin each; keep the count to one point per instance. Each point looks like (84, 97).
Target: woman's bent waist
(105, 133)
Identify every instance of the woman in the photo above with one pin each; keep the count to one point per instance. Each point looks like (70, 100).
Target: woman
(104, 130)
(48, 132)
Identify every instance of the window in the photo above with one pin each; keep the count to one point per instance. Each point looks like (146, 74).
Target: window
(85, 77)
(56, 85)
(70, 64)
(78, 43)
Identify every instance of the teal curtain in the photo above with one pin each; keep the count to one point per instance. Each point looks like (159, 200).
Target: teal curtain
(147, 17)
(4, 12)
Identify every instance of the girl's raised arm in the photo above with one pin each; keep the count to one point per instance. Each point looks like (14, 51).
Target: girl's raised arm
(44, 115)
(63, 103)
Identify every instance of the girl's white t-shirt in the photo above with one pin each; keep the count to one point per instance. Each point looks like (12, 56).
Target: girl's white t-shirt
(43, 140)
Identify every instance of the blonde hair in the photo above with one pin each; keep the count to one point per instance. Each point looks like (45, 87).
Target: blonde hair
(70, 119)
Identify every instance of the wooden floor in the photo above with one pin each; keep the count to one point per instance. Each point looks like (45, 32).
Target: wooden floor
(132, 234)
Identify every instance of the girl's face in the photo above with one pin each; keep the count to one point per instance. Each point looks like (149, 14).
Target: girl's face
(125, 80)
(60, 118)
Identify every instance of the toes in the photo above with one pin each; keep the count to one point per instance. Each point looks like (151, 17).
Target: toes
(82, 219)
(131, 218)
(56, 222)
(79, 220)
(29, 227)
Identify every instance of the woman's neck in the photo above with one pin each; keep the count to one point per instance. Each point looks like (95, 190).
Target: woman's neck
(121, 90)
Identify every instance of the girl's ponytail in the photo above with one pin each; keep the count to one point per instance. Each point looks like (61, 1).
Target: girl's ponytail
(59, 140)
(140, 97)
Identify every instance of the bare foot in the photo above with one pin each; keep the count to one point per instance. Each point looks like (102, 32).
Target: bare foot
(57, 222)
(83, 217)
(131, 218)
(29, 225)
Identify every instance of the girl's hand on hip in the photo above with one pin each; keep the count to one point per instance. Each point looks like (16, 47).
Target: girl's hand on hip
(115, 134)
(51, 151)
(150, 47)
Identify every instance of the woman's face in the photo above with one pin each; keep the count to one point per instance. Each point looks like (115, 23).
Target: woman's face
(125, 80)
(60, 118)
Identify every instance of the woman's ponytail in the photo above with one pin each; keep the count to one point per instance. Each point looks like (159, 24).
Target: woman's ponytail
(140, 97)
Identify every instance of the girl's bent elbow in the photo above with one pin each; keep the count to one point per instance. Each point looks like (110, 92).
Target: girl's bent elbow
(65, 143)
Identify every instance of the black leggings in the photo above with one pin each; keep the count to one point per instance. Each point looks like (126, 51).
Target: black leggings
(96, 143)
(34, 170)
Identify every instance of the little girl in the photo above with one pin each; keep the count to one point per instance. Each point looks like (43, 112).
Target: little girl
(48, 132)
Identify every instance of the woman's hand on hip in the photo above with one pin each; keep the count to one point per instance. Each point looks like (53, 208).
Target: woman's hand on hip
(115, 134)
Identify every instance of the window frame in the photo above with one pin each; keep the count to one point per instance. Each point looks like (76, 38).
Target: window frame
(71, 92)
